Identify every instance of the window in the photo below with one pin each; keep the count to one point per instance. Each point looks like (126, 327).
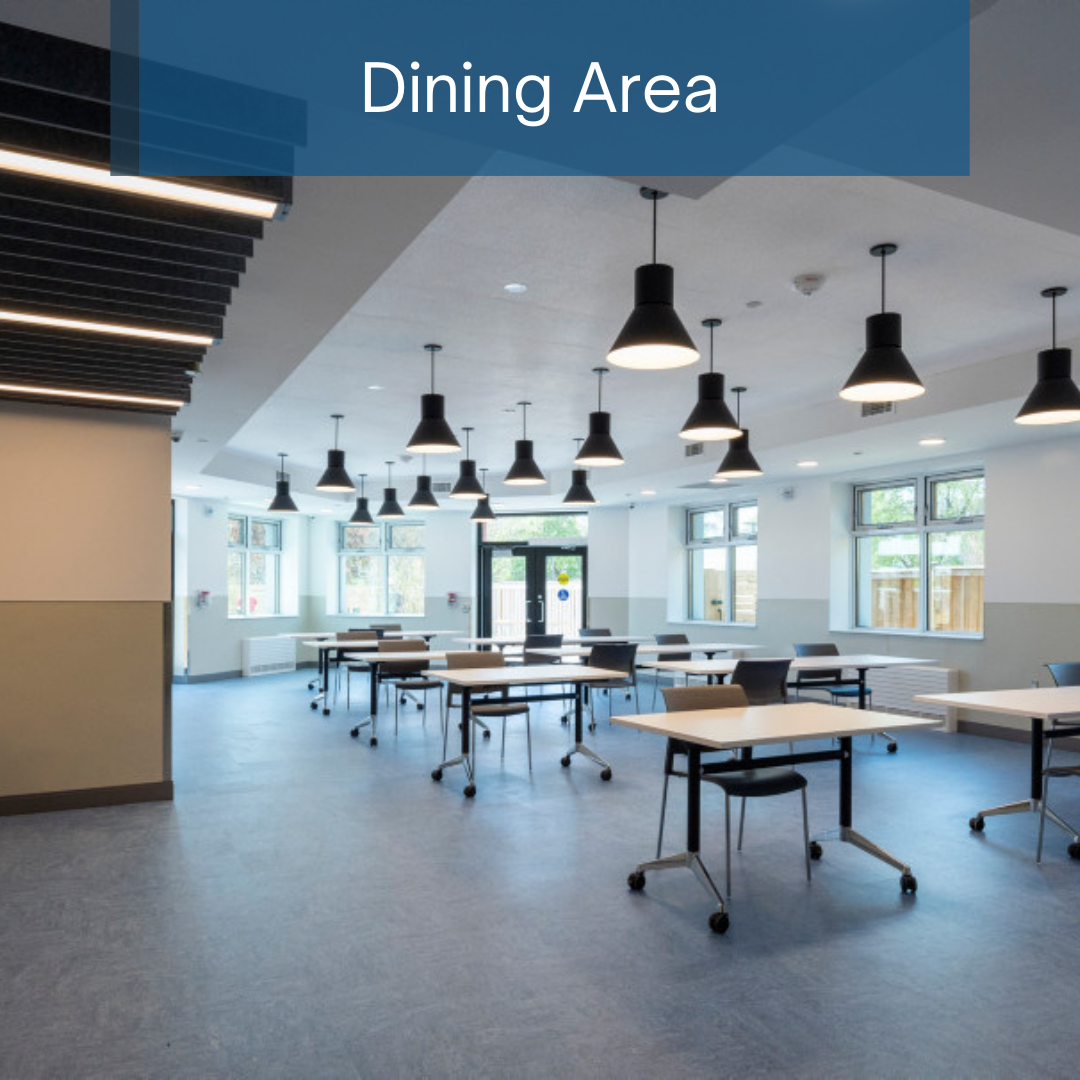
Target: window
(254, 570)
(521, 528)
(381, 569)
(920, 554)
(721, 549)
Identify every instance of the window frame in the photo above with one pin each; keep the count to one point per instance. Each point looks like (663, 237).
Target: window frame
(245, 549)
(384, 552)
(924, 525)
(730, 539)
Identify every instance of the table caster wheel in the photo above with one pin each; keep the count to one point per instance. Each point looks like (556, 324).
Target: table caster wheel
(487, 734)
(592, 727)
(311, 686)
(419, 707)
(977, 824)
(470, 790)
(605, 774)
(564, 719)
(815, 850)
(565, 761)
(314, 705)
(355, 733)
(1074, 850)
(374, 741)
(891, 748)
(326, 712)
(719, 921)
(436, 774)
(908, 884)
(636, 881)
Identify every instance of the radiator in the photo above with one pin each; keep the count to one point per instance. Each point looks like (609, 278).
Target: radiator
(267, 655)
(895, 688)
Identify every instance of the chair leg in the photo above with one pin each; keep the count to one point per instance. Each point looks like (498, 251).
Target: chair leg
(502, 749)
(727, 843)
(742, 819)
(806, 834)
(1042, 816)
(663, 812)
(395, 712)
(528, 738)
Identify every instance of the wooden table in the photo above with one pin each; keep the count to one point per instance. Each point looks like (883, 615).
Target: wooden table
(375, 658)
(709, 648)
(765, 725)
(471, 681)
(502, 641)
(1040, 705)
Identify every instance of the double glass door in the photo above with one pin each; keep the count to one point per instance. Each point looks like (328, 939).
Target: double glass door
(532, 590)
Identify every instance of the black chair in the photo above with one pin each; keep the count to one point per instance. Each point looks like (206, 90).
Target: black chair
(485, 708)
(1063, 674)
(668, 639)
(338, 658)
(593, 632)
(764, 681)
(540, 641)
(827, 679)
(614, 657)
(752, 784)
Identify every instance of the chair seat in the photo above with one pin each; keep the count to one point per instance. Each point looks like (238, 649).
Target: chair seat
(499, 710)
(1062, 770)
(610, 684)
(418, 684)
(845, 691)
(758, 783)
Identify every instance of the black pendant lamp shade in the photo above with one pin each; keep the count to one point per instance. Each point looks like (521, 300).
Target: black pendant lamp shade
(467, 486)
(654, 337)
(883, 373)
(711, 419)
(1055, 399)
(433, 434)
(390, 508)
(361, 515)
(282, 502)
(524, 472)
(738, 462)
(335, 478)
(599, 449)
(483, 511)
(579, 493)
(424, 497)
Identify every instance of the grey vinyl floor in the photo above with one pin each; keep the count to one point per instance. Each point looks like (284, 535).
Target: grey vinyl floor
(312, 907)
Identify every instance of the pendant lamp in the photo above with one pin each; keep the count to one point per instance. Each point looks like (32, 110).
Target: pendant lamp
(711, 419)
(883, 373)
(282, 503)
(653, 338)
(467, 486)
(390, 508)
(424, 497)
(1055, 399)
(579, 493)
(433, 434)
(361, 515)
(483, 511)
(335, 478)
(524, 472)
(599, 449)
(738, 461)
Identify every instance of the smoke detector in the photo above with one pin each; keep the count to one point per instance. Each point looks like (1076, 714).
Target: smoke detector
(807, 284)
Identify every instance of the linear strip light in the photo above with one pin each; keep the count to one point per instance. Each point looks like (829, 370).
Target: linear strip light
(169, 190)
(91, 395)
(105, 328)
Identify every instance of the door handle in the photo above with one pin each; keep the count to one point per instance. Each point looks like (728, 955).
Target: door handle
(540, 601)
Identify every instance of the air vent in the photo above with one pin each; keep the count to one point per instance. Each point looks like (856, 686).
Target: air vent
(694, 449)
(441, 487)
(876, 408)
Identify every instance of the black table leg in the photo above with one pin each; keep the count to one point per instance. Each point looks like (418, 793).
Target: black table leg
(579, 746)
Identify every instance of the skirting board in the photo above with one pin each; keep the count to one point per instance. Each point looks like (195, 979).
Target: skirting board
(48, 801)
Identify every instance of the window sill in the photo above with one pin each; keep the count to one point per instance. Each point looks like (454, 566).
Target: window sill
(254, 618)
(883, 632)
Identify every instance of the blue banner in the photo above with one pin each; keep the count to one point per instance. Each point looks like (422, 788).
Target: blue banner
(417, 87)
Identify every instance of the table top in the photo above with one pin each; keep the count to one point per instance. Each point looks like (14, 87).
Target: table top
(569, 639)
(377, 656)
(313, 634)
(1040, 702)
(523, 675)
(651, 649)
(761, 725)
(799, 663)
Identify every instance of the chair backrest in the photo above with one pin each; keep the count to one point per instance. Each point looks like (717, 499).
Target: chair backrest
(765, 681)
(673, 639)
(687, 698)
(406, 667)
(541, 641)
(822, 648)
(614, 657)
(594, 632)
(1067, 674)
(355, 635)
(475, 659)
(386, 626)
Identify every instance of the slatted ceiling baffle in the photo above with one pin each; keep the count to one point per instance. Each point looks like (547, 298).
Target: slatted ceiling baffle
(73, 251)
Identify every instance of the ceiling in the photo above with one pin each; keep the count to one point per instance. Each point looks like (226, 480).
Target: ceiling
(365, 271)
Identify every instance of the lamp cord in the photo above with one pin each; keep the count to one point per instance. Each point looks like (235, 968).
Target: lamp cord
(654, 202)
(1053, 320)
(711, 330)
(738, 408)
(883, 282)
(599, 391)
